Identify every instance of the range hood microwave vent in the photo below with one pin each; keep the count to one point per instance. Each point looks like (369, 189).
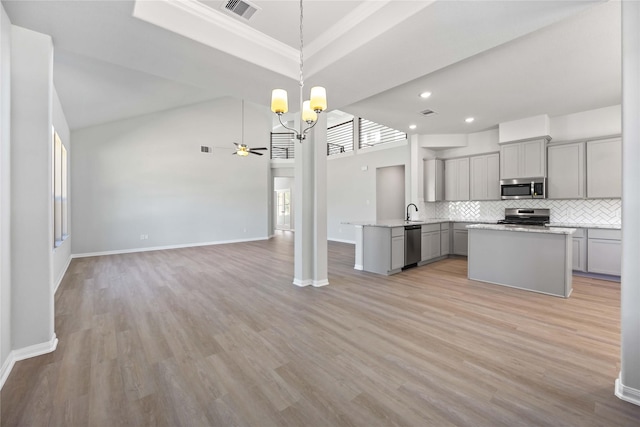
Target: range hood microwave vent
(242, 8)
(428, 112)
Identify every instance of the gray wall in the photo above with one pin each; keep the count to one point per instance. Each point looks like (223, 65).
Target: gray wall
(351, 191)
(147, 176)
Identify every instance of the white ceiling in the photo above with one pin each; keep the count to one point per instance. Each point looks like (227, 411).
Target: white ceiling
(494, 60)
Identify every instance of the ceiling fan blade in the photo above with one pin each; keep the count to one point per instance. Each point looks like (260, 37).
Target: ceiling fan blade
(259, 148)
(257, 154)
(235, 152)
(237, 145)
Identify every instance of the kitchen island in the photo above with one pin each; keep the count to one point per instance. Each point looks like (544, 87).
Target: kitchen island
(534, 258)
(380, 245)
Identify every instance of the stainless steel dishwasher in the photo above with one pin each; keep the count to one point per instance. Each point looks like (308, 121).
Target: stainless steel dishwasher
(412, 245)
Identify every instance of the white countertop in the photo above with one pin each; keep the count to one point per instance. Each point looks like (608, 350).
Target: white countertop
(402, 223)
(488, 221)
(585, 225)
(523, 228)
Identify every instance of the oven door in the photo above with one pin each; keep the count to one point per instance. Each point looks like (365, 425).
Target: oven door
(515, 191)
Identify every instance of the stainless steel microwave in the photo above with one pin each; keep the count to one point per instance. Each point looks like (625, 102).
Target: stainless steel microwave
(523, 188)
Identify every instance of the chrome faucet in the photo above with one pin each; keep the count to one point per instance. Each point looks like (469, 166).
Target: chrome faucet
(408, 206)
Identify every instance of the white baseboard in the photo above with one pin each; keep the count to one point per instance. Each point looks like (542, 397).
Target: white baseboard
(628, 394)
(162, 248)
(26, 353)
(320, 283)
(302, 283)
(358, 267)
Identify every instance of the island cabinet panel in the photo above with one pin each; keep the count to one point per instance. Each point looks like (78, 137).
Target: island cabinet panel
(456, 179)
(383, 249)
(430, 242)
(485, 177)
(526, 159)
(604, 251)
(534, 261)
(604, 168)
(579, 242)
(566, 171)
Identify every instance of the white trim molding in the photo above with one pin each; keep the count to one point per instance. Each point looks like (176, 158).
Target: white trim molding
(320, 283)
(627, 394)
(302, 283)
(26, 353)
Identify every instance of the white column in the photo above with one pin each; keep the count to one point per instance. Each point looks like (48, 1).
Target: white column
(628, 383)
(310, 240)
(31, 193)
(319, 138)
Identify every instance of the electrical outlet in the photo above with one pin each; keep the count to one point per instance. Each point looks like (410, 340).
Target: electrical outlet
(144, 237)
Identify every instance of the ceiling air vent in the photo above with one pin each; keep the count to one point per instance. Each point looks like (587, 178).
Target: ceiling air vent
(427, 112)
(242, 8)
(204, 149)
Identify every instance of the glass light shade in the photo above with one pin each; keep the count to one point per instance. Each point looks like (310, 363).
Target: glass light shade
(279, 103)
(318, 98)
(242, 152)
(308, 115)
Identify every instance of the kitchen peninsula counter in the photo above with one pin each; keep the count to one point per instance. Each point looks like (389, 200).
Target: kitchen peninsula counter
(534, 258)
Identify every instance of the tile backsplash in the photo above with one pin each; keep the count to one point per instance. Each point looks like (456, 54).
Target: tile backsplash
(592, 211)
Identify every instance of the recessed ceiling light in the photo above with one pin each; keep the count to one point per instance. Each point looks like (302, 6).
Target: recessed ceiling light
(412, 126)
(469, 119)
(425, 95)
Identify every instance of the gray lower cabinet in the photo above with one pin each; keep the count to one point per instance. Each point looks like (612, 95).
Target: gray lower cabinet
(460, 238)
(579, 251)
(383, 249)
(445, 237)
(397, 248)
(430, 241)
(604, 251)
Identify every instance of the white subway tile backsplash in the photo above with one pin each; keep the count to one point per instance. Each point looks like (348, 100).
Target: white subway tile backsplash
(596, 211)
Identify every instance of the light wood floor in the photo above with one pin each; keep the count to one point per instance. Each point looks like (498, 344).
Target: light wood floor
(219, 336)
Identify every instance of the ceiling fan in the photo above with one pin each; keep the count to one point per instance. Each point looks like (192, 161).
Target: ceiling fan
(243, 149)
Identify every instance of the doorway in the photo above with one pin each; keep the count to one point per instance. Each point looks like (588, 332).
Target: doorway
(390, 193)
(283, 203)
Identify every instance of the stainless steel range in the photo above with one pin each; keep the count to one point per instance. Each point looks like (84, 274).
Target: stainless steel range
(526, 216)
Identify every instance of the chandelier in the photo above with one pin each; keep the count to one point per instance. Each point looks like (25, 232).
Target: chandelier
(316, 104)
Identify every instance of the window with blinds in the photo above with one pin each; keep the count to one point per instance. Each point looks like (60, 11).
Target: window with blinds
(340, 138)
(282, 145)
(372, 134)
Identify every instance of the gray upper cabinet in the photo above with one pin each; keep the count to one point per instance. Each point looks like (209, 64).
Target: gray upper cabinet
(485, 180)
(433, 180)
(566, 171)
(604, 168)
(526, 159)
(456, 179)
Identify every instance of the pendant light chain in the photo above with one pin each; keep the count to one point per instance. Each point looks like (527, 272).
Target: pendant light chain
(301, 47)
